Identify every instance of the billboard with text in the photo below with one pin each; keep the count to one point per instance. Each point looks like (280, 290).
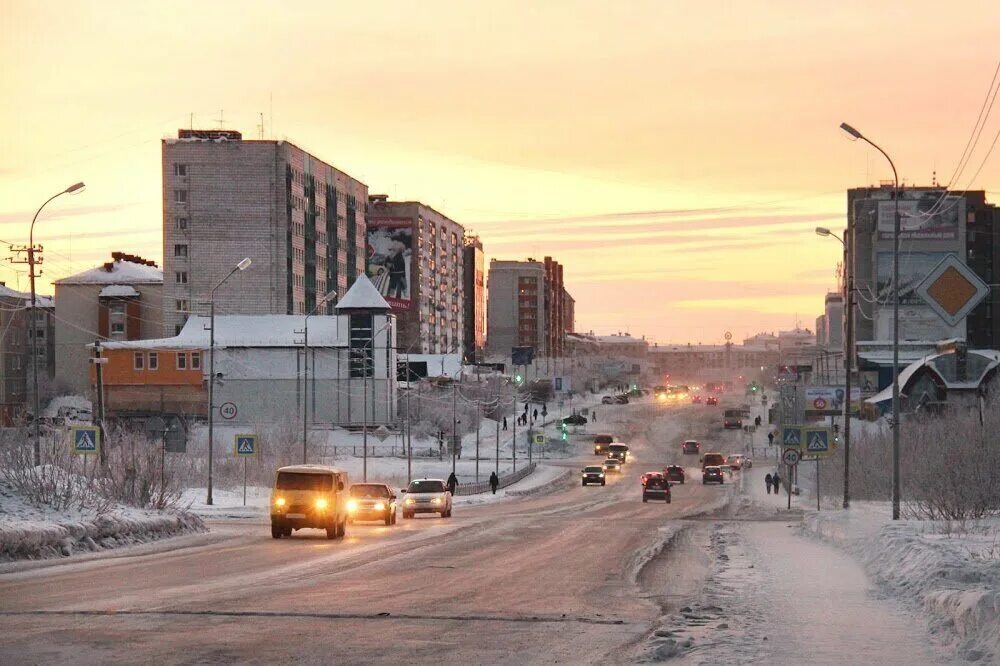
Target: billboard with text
(922, 216)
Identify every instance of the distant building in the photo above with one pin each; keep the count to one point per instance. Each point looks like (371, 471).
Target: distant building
(474, 270)
(569, 312)
(19, 324)
(416, 261)
(299, 219)
(833, 323)
(515, 310)
(121, 299)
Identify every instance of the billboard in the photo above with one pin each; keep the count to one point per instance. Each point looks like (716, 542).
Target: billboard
(829, 400)
(914, 221)
(917, 321)
(390, 250)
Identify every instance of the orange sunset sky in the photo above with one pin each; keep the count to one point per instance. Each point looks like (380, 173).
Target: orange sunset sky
(675, 156)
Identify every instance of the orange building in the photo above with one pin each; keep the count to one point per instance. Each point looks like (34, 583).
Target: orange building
(160, 381)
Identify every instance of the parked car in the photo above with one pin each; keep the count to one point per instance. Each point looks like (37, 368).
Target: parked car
(711, 474)
(711, 400)
(372, 501)
(621, 399)
(575, 419)
(612, 465)
(592, 474)
(601, 443)
(427, 496)
(309, 496)
(674, 473)
(691, 446)
(656, 488)
(607, 400)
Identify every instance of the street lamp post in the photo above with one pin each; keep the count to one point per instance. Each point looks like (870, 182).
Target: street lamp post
(305, 374)
(848, 243)
(242, 266)
(895, 318)
(33, 316)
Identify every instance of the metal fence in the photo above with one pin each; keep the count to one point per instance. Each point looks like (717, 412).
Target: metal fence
(505, 480)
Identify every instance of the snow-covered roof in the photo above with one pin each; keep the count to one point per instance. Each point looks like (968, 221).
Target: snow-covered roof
(438, 365)
(40, 301)
(362, 296)
(247, 331)
(978, 363)
(122, 272)
(619, 339)
(119, 291)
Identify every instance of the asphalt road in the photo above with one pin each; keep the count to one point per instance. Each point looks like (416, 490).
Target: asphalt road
(547, 578)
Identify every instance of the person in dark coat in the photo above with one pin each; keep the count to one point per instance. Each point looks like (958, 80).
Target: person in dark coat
(768, 481)
(494, 482)
(505, 423)
(776, 480)
(534, 415)
(452, 483)
(593, 416)
(770, 438)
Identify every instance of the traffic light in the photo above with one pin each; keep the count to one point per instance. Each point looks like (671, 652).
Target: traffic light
(564, 431)
(518, 379)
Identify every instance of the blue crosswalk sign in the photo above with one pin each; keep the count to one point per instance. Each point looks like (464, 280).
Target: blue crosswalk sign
(246, 445)
(791, 436)
(817, 441)
(86, 440)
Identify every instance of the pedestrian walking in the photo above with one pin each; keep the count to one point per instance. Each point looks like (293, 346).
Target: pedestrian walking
(768, 480)
(505, 423)
(770, 436)
(494, 482)
(776, 480)
(534, 416)
(452, 483)
(593, 416)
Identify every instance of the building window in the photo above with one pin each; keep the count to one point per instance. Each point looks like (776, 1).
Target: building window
(180, 196)
(196, 360)
(181, 277)
(181, 223)
(117, 328)
(154, 361)
(361, 358)
(180, 250)
(182, 361)
(182, 305)
(138, 361)
(180, 169)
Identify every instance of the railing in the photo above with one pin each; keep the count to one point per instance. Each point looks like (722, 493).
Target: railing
(505, 480)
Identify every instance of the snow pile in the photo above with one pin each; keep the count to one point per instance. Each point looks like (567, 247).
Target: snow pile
(954, 577)
(30, 531)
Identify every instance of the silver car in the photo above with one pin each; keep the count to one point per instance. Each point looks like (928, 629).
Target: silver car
(427, 496)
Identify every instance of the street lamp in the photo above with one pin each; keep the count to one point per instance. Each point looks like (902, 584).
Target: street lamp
(242, 266)
(895, 318)
(33, 316)
(848, 243)
(305, 371)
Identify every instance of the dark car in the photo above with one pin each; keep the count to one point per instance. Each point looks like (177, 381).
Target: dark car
(601, 443)
(607, 400)
(575, 419)
(711, 400)
(621, 399)
(691, 446)
(674, 473)
(619, 451)
(656, 488)
(372, 501)
(695, 399)
(592, 474)
(711, 474)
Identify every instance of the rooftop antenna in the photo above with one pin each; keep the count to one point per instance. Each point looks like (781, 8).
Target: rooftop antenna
(222, 119)
(934, 178)
(260, 127)
(191, 121)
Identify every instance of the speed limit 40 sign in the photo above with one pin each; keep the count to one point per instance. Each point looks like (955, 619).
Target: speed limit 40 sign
(228, 410)
(790, 457)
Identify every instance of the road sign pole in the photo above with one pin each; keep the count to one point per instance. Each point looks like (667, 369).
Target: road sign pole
(788, 481)
(244, 482)
(817, 483)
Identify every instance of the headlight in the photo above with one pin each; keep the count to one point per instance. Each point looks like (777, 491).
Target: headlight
(601, 474)
(436, 500)
(409, 501)
(352, 505)
(379, 506)
(321, 504)
(279, 502)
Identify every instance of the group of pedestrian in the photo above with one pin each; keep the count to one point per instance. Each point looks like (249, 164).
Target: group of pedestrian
(773, 480)
(452, 482)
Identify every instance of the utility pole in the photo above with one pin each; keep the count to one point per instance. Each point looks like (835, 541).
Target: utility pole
(498, 415)
(99, 367)
(454, 426)
(409, 440)
(513, 441)
(848, 363)
(478, 407)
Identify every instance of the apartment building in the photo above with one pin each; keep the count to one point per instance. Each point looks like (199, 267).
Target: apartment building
(299, 219)
(474, 270)
(416, 259)
(515, 310)
(19, 323)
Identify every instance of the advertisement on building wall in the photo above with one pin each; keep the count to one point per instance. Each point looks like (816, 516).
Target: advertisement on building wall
(390, 250)
(829, 400)
(917, 321)
(922, 216)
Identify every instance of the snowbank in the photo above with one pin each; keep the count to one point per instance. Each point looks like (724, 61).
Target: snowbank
(31, 532)
(953, 577)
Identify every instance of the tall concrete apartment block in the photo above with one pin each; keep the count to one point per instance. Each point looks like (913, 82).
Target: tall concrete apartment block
(515, 311)
(416, 259)
(300, 220)
(555, 308)
(475, 299)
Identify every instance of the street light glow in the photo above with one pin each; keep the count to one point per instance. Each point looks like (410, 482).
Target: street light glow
(245, 264)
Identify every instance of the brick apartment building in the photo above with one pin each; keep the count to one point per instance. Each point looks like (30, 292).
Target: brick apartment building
(301, 221)
(475, 298)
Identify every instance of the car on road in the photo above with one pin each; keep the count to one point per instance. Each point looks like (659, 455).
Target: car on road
(592, 474)
(711, 474)
(726, 470)
(695, 399)
(309, 496)
(674, 473)
(612, 465)
(619, 451)
(575, 419)
(691, 446)
(732, 419)
(737, 461)
(712, 459)
(621, 399)
(427, 496)
(646, 476)
(607, 400)
(711, 400)
(371, 501)
(601, 443)
(656, 488)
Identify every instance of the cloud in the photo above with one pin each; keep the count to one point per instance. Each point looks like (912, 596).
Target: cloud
(24, 217)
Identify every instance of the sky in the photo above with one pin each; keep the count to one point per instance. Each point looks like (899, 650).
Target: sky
(674, 156)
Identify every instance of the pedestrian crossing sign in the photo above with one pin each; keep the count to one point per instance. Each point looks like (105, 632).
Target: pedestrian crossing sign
(540, 438)
(817, 440)
(791, 436)
(86, 440)
(246, 446)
